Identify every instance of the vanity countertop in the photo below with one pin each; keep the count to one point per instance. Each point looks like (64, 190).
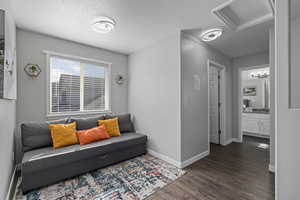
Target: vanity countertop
(256, 112)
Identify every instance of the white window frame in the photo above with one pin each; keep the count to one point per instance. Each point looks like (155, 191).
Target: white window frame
(108, 80)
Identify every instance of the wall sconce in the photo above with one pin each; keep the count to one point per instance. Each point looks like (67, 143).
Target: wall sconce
(120, 79)
(32, 70)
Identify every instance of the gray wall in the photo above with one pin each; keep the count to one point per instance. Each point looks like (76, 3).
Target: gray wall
(7, 122)
(194, 132)
(243, 62)
(154, 94)
(31, 106)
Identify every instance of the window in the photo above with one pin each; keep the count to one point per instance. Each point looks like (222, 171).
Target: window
(77, 85)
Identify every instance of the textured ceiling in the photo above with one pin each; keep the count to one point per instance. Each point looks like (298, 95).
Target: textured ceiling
(240, 43)
(249, 41)
(139, 22)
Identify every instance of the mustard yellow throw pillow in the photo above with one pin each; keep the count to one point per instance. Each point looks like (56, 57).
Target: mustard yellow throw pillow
(63, 134)
(112, 126)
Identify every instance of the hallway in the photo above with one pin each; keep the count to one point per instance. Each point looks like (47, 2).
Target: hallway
(237, 171)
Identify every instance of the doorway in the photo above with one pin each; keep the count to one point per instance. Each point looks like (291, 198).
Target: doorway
(254, 102)
(216, 103)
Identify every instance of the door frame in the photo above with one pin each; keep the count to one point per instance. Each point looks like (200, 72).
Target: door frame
(222, 99)
(240, 99)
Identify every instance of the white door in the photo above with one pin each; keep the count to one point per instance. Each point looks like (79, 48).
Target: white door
(214, 104)
(288, 109)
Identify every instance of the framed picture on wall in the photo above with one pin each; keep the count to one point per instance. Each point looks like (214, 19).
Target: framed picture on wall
(249, 91)
(8, 70)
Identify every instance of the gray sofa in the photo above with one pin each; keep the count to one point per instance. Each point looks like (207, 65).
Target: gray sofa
(42, 165)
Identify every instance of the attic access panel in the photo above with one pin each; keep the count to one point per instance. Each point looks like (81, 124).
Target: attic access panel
(241, 14)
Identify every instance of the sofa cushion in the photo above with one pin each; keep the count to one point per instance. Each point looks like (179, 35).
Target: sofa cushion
(125, 123)
(48, 157)
(87, 123)
(37, 134)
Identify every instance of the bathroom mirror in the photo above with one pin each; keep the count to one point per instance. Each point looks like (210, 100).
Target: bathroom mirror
(2, 48)
(294, 48)
(255, 84)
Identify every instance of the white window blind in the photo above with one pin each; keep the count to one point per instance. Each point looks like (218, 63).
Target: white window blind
(77, 86)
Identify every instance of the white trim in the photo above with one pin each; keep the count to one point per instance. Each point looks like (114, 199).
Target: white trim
(222, 17)
(227, 142)
(48, 91)
(208, 111)
(176, 163)
(231, 141)
(238, 140)
(81, 87)
(164, 158)
(276, 63)
(10, 191)
(240, 99)
(108, 82)
(194, 159)
(222, 98)
(52, 53)
(272, 168)
(272, 5)
(66, 114)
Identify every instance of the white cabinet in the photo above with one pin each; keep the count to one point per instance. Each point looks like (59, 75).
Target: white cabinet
(256, 123)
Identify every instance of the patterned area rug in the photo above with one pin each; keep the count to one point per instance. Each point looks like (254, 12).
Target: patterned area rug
(133, 179)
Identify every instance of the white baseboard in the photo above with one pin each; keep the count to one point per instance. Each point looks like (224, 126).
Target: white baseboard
(175, 162)
(237, 140)
(194, 159)
(271, 168)
(164, 157)
(228, 142)
(231, 141)
(11, 188)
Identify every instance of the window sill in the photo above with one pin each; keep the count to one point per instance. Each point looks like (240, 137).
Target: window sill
(78, 114)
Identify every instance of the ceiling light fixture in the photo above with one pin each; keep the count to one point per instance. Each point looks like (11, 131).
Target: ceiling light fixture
(211, 34)
(103, 24)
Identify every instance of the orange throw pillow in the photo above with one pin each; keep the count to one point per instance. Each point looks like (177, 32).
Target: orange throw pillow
(63, 134)
(92, 135)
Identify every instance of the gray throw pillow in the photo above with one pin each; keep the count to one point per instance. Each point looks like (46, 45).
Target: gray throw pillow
(87, 123)
(37, 134)
(125, 123)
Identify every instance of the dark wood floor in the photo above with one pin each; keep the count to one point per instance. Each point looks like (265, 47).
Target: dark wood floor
(237, 171)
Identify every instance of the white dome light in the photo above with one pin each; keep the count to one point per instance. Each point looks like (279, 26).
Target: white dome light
(211, 34)
(103, 24)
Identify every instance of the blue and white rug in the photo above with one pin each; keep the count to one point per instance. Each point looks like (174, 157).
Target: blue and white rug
(133, 179)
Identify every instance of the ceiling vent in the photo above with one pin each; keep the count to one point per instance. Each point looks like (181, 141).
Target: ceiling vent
(242, 14)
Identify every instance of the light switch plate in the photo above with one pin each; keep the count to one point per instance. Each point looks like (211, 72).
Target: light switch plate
(197, 82)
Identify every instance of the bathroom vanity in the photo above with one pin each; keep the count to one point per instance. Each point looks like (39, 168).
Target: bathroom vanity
(256, 123)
